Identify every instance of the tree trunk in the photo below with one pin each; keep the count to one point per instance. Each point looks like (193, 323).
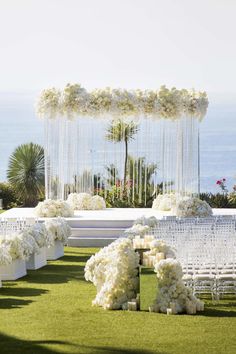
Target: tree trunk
(126, 161)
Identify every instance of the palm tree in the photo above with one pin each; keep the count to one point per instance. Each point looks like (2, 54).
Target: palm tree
(26, 172)
(119, 131)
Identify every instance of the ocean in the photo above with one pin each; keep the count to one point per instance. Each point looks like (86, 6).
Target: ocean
(19, 124)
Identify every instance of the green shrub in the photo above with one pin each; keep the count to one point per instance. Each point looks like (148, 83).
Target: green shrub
(9, 196)
(232, 199)
(115, 199)
(26, 173)
(218, 200)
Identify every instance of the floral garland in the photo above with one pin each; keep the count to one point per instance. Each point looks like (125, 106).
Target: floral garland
(59, 229)
(165, 103)
(84, 201)
(113, 270)
(53, 208)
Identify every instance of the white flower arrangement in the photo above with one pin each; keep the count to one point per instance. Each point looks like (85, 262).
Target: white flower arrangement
(172, 292)
(75, 100)
(84, 201)
(53, 208)
(164, 202)
(98, 203)
(113, 270)
(170, 103)
(40, 234)
(192, 207)
(49, 103)
(59, 229)
(151, 221)
(160, 246)
(123, 102)
(137, 230)
(100, 101)
(5, 257)
(79, 201)
(16, 247)
(163, 103)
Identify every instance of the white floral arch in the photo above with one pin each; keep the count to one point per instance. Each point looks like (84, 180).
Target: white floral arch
(162, 147)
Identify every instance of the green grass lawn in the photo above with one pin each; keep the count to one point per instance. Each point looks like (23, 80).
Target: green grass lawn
(49, 311)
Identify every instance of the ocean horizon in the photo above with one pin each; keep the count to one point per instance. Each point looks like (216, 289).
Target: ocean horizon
(19, 124)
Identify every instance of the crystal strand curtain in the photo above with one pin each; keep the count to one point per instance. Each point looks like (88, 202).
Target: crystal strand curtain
(78, 154)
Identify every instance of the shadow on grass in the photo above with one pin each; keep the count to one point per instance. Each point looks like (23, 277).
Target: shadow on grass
(18, 346)
(14, 345)
(111, 350)
(55, 273)
(15, 291)
(13, 304)
(210, 312)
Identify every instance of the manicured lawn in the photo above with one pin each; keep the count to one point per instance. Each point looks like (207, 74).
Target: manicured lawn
(49, 311)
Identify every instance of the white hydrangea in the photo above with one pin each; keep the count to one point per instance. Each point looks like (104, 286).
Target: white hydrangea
(49, 103)
(5, 257)
(171, 288)
(164, 202)
(53, 208)
(75, 100)
(98, 203)
(151, 221)
(137, 230)
(163, 103)
(160, 246)
(59, 229)
(113, 270)
(40, 234)
(79, 201)
(84, 201)
(15, 246)
(26, 242)
(192, 207)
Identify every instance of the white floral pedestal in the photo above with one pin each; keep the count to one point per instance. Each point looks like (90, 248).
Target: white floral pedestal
(56, 251)
(13, 271)
(37, 261)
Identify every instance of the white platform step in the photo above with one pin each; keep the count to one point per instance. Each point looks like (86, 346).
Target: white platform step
(97, 232)
(101, 223)
(90, 241)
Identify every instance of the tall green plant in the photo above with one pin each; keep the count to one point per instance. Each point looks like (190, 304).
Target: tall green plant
(26, 172)
(119, 131)
(140, 174)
